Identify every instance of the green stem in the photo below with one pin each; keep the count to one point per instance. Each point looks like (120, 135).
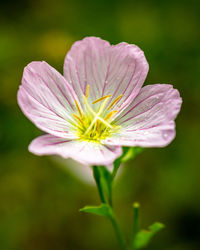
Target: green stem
(110, 197)
(136, 207)
(108, 181)
(118, 232)
(116, 167)
(97, 177)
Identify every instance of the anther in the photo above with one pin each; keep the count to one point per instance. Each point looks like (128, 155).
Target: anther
(78, 118)
(87, 91)
(114, 102)
(102, 98)
(97, 126)
(78, 108)
(109, 115)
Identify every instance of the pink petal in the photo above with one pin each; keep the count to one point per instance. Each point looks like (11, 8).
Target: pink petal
(47, 99)
(87, 153)
(109, 69)
(149, 120)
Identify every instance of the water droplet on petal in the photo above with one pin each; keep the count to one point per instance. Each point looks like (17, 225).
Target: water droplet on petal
(165, 136)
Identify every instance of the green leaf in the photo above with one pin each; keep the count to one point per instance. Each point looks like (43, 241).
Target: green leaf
(102, 210)
(144, 236)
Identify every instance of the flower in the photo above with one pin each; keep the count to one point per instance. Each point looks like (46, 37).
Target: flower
(98, 106)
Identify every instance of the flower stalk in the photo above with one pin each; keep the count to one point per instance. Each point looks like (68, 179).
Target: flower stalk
(104, 185)
(97, 177)
(118, 232)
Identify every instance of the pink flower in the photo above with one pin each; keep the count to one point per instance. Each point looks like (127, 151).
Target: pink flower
(98, 106)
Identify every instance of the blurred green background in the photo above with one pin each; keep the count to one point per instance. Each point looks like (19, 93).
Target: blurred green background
(39, 198)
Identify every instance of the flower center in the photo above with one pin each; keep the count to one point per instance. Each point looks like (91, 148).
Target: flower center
(91, 125)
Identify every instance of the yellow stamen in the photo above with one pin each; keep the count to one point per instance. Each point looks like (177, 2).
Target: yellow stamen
(88, 106)
(87, 91)
(91, 125)
(97, 126)
(97, 115)
(105, 122)
(94, 123)
(102, 98)
(78, 108)
(109, 115)
(101, 109)
(115, 101)
(78, 118)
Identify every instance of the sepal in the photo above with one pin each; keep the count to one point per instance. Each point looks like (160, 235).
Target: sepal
(128, 154)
